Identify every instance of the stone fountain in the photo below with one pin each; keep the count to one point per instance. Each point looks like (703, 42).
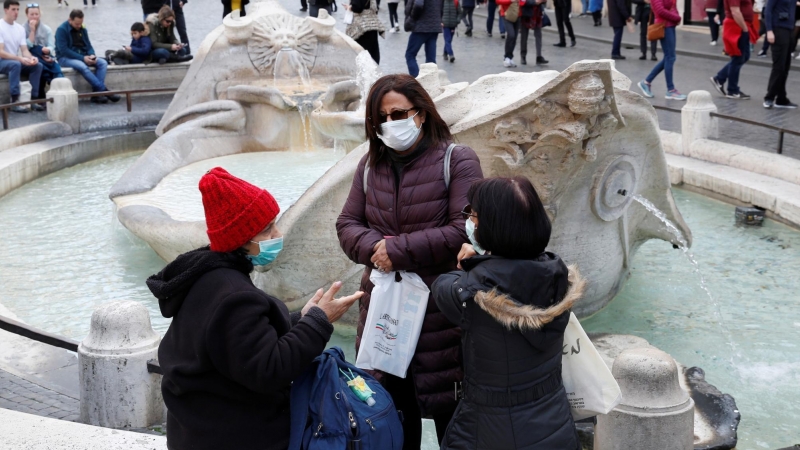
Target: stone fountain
(271, 82)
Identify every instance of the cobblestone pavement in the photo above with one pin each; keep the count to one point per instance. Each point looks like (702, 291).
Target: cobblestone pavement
(480, 55)
(19, 394)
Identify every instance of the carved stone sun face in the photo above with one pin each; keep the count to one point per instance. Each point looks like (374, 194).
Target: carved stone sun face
(280, 31)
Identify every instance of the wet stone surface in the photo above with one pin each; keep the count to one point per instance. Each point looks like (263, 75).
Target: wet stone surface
(19, 394)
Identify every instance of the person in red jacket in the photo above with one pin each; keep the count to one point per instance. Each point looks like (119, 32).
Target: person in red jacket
(512, 29)
(666, 12)
(738, 32)
(404, 216)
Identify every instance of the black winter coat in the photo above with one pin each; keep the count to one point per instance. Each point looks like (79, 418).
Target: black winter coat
(618, 12)
(230, 354)
(513, 314)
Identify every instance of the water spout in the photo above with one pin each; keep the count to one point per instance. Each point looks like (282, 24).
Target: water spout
(368, 73)
(289, 66)
(684, 247)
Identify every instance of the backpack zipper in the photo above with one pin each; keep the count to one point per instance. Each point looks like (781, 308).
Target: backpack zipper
(372, 427)
(353, 424)
(316, 434)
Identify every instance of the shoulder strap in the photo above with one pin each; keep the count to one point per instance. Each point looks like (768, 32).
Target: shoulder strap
(366, 173)
(447, 156)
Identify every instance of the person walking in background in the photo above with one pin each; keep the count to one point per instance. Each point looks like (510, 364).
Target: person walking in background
(408, 141)
(490, 10)
(41, 44)
(394, 21)
(513, 304)
(584, 8)
(715, 14)
(779, 18)
(424, 21)
(229, 6)
(468, 8)
(94, 4)
(642, 18)
(451, 17)
(166, 47)
(316, 5)
(532, 14)
(509, 9)
(596, 10)
(366, 26)
(12, 43)
(563, 10)
(74, 50)
(666, 12)
(619, 13)
(180, 21)
(737, 30)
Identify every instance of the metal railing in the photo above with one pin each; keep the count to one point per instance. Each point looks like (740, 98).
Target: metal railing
(127, 93)
(21, 329)
(781, 131)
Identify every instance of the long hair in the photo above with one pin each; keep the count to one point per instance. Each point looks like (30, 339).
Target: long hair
(512, 221)
(434, 129)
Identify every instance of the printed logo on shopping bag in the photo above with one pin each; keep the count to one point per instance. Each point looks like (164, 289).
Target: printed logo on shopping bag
(575, 402)
(573, 351)
(386, 324)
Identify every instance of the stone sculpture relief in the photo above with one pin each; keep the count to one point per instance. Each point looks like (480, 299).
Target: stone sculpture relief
(586, 142)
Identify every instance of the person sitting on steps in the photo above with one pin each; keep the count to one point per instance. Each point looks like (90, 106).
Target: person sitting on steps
(139, 50)
(12, 42)
(166, 47)
(75, 51)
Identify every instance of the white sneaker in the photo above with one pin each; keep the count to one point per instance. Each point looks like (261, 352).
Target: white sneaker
(508, 62)
(392, 30)
(713, 42)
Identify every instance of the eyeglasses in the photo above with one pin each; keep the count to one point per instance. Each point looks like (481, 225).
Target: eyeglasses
(467, 212)
(398, 114)
(33, 5)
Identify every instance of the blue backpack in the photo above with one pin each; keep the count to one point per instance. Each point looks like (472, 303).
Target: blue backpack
(327, 415)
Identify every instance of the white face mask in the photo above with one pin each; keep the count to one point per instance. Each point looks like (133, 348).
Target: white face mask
(399, 135)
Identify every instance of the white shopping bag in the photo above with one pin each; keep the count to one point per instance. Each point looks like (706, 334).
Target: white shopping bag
(348, 17)
(591, 388)
(394, 320)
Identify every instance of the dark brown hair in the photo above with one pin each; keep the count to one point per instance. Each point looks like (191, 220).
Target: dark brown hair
(75, 14)
(434, 129)
(165, 13)
(512, 221)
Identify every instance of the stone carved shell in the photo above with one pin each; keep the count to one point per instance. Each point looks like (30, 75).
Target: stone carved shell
(273, 32)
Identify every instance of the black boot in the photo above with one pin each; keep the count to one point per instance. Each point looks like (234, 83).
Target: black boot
(540, 61)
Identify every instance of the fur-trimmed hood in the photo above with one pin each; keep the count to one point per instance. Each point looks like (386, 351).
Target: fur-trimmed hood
(514, 315)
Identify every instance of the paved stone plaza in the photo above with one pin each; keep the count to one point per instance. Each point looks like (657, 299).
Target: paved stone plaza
(109, 25)
(19, 394)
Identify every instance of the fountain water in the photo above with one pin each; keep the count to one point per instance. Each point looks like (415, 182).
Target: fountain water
(684, 247)
(368, 73)
(289, 66)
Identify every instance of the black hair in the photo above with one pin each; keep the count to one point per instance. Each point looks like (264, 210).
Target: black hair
(137, 26)
(512, 221)
(8, 3)
(75, 13)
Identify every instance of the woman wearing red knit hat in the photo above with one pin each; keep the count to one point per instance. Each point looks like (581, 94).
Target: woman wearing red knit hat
(232, 351)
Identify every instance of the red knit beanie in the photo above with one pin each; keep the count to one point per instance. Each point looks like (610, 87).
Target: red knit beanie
(235, 210)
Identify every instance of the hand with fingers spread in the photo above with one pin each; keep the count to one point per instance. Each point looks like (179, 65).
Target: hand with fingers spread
(334, 308)
(380, 259)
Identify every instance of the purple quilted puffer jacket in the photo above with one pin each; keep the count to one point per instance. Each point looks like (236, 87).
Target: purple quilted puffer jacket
(425, 219)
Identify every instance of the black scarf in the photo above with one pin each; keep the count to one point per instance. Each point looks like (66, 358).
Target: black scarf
(172, 284)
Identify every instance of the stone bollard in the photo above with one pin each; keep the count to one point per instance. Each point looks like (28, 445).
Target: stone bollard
(655, 413)
(116, 389)
(696, 120)
(65, 104)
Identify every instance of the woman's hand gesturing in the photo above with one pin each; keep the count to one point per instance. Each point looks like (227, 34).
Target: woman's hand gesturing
(334, 308)
(380, 260)
(467, 251)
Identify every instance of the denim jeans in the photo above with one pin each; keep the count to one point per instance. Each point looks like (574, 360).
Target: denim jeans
(512, 30)
(14, 69)
(585, 5)
(617, 43)
(160, 53)
(668, 61)
(730, 73)
(97, 79)
(448, 40)
(415, 42)
(491, 7)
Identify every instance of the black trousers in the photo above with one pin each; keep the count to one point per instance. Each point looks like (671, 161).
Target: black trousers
(304, 4)
(781, 63)
(563, 8)
(468, 11)
(369, 41)
(512, 30)
(643, 40)
(598, 17)
(404, 395)
(180, 25)
(393, 19)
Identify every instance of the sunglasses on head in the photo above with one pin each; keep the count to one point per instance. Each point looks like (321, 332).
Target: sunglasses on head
(33, 5)
(467, 212)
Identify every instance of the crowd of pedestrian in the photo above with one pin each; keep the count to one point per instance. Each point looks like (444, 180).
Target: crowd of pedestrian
(34, 50)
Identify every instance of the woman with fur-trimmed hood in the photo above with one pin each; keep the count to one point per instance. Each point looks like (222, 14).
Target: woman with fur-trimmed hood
(512, 301)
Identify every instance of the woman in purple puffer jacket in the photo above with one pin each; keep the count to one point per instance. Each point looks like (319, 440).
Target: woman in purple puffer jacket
(666, 12)
(405, 217)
